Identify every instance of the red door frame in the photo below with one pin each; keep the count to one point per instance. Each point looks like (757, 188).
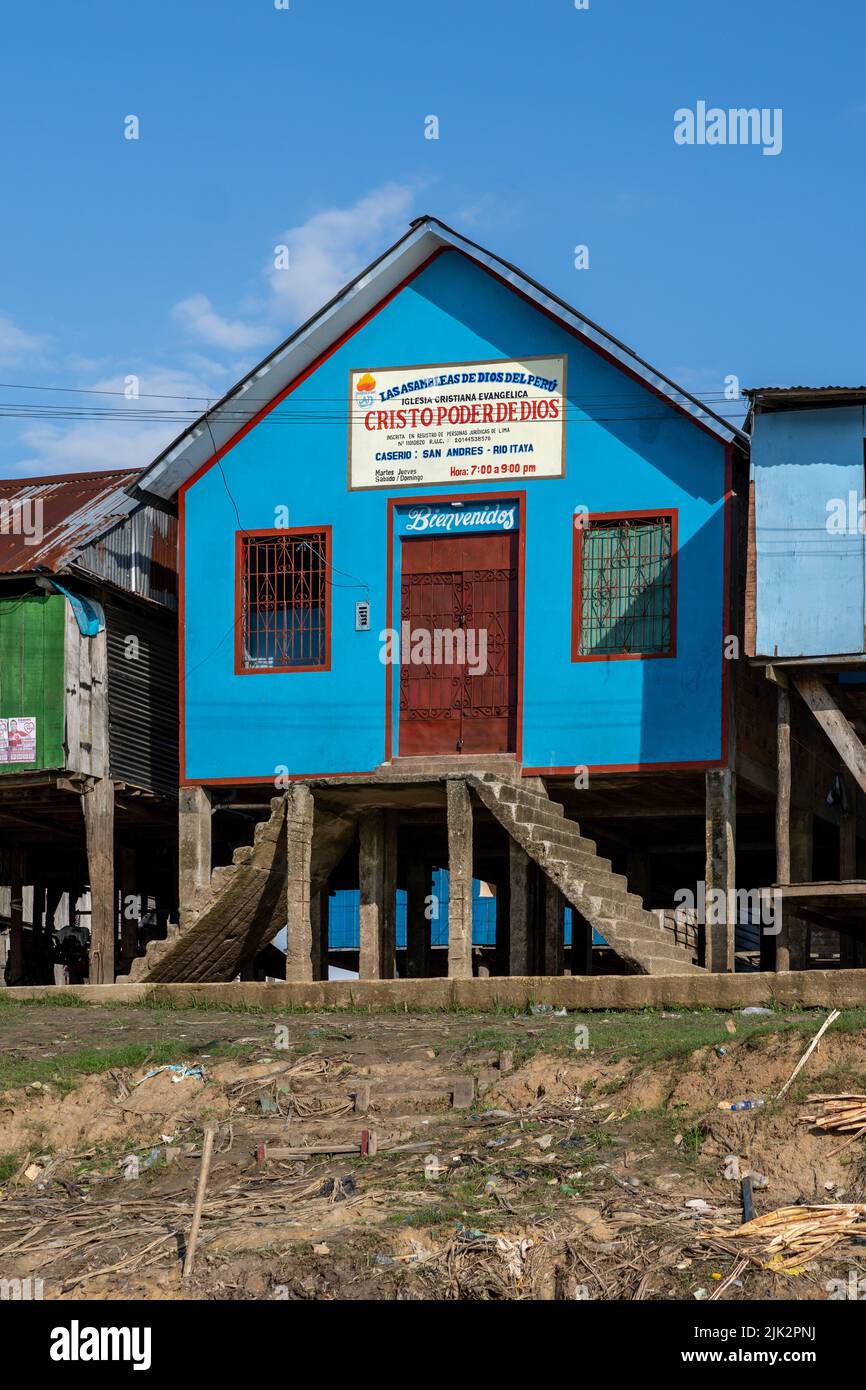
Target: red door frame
(517, 495)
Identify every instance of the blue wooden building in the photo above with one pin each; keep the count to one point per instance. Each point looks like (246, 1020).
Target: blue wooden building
(457, 568)
(806, 616)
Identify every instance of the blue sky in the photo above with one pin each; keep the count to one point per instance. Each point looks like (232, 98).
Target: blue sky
(305, 127)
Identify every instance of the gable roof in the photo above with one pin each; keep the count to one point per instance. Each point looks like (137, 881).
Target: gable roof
(213, 430)
(74, 508)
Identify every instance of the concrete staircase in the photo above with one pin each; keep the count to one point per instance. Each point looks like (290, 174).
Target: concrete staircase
(587, 881)
(244, 907)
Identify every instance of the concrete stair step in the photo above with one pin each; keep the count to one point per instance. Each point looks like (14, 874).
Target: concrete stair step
(544, 820)
(669, 950)
(586, 879)
(221, 878)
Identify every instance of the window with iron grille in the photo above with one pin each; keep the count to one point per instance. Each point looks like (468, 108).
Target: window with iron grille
(284, 601)
(624, 586)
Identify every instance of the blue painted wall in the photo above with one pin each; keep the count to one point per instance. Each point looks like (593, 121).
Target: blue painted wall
(344, 919)
(810, 576)
(626, 450)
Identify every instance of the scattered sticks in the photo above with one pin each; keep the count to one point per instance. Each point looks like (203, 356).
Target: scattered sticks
(831, 1018)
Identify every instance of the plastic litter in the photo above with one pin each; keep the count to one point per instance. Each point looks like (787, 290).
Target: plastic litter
(182, 1073)
(757, 1009)
(740, 1104)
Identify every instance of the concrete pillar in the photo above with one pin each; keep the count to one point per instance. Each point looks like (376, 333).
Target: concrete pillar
(320, 912)
(299, 848)
(377, 874)
(520, 915)
(503, 920)
(417, 920)
(98, 807)
(554, 929)
(796, 931)
(194, 849)
(581, 945)
(720, 867)
(459, 880)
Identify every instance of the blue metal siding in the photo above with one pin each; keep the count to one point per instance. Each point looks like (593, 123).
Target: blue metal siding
(626, 450)
(810, 580)
(344, 920)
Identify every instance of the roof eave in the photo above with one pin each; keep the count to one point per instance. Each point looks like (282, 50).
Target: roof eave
(216, 427)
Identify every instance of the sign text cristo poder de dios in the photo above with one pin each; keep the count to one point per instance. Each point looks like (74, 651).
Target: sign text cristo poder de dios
(458, 422)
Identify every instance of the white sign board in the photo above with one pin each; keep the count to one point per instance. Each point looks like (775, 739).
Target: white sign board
(457, 422)
(18, 740)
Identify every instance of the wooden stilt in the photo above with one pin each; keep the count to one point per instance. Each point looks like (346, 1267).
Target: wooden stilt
(98, 807)
(720, 868)
(783, 816)
(17, 868)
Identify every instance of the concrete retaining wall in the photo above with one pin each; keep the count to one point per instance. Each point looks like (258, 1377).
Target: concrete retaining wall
(808, 988)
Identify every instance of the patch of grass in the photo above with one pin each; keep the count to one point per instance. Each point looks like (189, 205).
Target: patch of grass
(693, 1140)
(44, 1001)
(64, 1073)
(497, 1039)
(9, 1165)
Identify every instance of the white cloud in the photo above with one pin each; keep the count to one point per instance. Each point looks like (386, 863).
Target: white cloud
(16, 343)
(325, 253)
(200, 320)
(331, 247)
(89, 447)
(126, 435)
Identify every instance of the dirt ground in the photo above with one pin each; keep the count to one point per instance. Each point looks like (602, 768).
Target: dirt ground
(593, 1160)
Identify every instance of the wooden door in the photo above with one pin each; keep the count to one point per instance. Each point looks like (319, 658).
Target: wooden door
(458, 644)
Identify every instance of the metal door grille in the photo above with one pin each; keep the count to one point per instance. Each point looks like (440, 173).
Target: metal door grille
(284, 601)
(626, 589)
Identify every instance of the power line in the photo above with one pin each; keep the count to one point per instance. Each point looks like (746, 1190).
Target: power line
(168, 396)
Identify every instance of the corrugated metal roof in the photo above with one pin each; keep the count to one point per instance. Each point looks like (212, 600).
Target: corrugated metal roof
(786, 392)
(47, 521)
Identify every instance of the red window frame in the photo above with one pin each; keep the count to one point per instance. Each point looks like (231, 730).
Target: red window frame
(241, 668)
(587, 519)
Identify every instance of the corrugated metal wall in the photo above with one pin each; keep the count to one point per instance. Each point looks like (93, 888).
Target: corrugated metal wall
(142, 693)
(138, 555)
(31, 673)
